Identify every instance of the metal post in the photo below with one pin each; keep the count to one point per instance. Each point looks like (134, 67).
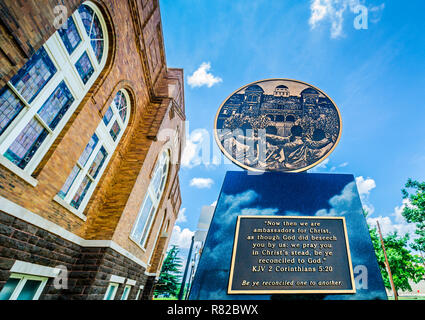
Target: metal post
(180, 296)
(387, 263)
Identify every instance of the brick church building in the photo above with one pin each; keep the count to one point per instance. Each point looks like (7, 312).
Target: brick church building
(91, 135)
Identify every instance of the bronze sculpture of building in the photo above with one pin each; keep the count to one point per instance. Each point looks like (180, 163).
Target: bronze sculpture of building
(91, 134)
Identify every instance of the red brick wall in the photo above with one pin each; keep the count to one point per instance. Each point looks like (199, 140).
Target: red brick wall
(136, 61)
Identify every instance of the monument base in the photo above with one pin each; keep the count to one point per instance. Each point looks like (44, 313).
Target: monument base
(288, 236)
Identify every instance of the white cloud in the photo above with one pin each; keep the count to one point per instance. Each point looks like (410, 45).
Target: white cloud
(400, 225)
(365, 186)
(321, 166)
(231, 206)
(324, 167)
(201, 77)
(181, 216)
(342, 165)
(201, 183)
(388, 226)
(319, 10)
(341, 204)
(181, 238)
(333, 11)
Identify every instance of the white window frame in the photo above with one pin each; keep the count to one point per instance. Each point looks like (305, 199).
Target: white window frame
(106, 141)
(30, 271)
(139, 291)
(23, 279)
(113, 285)
(65, 71)
(125, 293)
(151, 193)
(138, 294)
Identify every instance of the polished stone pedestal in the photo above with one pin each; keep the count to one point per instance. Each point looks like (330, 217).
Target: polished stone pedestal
(285, 194)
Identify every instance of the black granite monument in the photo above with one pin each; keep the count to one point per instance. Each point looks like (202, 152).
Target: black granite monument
(278, 232)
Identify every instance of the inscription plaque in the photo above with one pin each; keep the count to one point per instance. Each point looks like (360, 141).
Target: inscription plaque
(290, 254)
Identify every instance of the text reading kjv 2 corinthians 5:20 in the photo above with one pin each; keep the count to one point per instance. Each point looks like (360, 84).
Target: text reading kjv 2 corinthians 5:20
(280, 254)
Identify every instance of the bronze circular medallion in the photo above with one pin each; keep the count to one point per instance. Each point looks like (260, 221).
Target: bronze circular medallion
(278, 125)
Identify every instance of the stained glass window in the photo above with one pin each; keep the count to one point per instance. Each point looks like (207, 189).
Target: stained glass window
(97, 163)
(121, 104)
(84, 67)
(69, 181)
(107, 117)
(33, 76)
(87, 180)
(56, 105)
(81, 192)
(97, 46)
(94, 30)
(85, 174)
(88, 150)
(70, 36)
(38, 96)
(96, 35)
(117, 110)
(115, 130)
(86, 14)
(10, 106)
(26, 144)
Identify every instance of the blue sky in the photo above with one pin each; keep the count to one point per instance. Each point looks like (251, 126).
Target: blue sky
(375, 75)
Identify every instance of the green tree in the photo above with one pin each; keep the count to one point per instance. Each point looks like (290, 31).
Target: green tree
(169, 278)
(415, 211)
(404, 265)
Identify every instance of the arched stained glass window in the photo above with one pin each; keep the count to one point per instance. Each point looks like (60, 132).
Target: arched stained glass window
(38, 101)
(151, 201)
(81, 182)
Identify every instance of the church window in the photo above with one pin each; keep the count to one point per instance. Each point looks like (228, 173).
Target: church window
(151, 201)
(83, 178)
(37, 102)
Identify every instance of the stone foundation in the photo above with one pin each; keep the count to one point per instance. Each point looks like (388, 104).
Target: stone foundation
(89, 268)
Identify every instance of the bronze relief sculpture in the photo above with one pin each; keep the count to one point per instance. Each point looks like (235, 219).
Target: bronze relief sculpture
(278, 125)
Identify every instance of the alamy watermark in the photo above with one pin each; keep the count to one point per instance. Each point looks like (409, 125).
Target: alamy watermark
(361, 20)
(61, 17)
(60, 281)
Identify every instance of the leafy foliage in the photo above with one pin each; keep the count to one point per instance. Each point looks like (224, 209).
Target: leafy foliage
(415, 211)
(404, 265)
(170, 276)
